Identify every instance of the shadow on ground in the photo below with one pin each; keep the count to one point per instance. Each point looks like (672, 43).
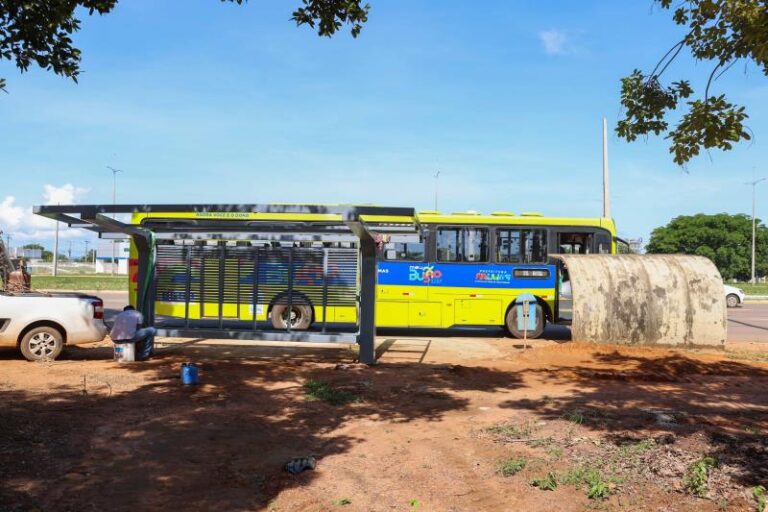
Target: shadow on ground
(628, 397)
(139, 440)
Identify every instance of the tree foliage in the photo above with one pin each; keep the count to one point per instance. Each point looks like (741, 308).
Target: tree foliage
(40, 31)
(720, 32)
(725, 239)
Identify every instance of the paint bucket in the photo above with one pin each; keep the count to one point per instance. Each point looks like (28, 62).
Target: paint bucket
(125, 352)
(189, 375)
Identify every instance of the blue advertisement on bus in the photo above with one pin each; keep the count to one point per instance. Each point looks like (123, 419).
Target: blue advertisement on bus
(466, 275)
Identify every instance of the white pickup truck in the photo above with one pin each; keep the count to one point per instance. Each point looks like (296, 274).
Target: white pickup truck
(40, 324)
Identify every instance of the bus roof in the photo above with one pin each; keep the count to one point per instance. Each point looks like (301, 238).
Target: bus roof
(424, 217)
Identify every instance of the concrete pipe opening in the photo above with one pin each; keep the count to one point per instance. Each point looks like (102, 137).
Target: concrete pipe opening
(645, 299)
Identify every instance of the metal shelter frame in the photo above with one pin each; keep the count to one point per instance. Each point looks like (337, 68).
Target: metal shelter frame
(347, 220)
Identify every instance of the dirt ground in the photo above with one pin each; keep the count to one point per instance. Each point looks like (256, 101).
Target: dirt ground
(445, 424)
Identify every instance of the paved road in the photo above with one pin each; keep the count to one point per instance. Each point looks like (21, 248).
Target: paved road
(746, 323)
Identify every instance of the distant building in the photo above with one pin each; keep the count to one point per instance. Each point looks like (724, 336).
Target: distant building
(104, 255)
(636, 245)
(20, 253)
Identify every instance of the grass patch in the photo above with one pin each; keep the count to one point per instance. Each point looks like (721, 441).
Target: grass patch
(324, 391)
(415, 504)
(697, 476)
(752, 289)
(518, 431)
(755, 357)
(759, 493)
(511, 466)
(575, 416)
(545, 483)
(545, 442)
(554, 452)
(631, 448)
(597, 485)
(342, 502)
(85, 282)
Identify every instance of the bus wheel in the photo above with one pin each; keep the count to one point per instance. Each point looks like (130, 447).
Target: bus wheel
(511, 323)
(300, 317)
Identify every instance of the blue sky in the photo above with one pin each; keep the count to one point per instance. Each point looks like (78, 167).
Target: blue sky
(206, 102)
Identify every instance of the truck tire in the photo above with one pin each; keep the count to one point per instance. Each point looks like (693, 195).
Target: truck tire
(301, 317)
(511, 323)
(42, 344)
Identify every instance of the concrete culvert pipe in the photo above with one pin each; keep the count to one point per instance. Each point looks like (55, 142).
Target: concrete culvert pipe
(646, 299)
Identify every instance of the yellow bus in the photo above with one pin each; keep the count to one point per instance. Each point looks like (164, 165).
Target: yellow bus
(460, 269)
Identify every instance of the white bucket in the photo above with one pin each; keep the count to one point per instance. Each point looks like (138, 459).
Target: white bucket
(125, 352)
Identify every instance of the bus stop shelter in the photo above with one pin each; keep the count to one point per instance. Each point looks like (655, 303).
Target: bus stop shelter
(367, 224)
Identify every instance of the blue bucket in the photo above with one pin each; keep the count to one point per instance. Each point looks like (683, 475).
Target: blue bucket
(189, 375)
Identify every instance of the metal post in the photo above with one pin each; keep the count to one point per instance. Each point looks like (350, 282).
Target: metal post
(606, 194)
(188, 287)
(526, 315)
(222, 255)
(56, 252)
(290, 288)
(114, 201)
(367, 336)
(325, 285)
(754, 186)
(256, 290)
(202, 282)
(143, 249)
(237, 260)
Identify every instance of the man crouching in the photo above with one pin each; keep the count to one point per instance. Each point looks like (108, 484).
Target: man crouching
(127, 329)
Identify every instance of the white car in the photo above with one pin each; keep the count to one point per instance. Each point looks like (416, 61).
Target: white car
(733, 296)
(40, 324)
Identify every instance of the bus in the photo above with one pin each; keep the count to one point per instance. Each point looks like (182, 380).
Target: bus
(459, 269)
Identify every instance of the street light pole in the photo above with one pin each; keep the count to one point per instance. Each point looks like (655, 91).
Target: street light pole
(114, 202)
(754, 186)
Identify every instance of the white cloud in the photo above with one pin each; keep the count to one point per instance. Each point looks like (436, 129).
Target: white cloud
(555, 42)
(67, 194)
(10, 214)
(22, 224)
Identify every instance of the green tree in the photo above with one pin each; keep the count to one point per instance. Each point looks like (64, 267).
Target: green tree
(40, 31)
(725, 239)
(720, 33)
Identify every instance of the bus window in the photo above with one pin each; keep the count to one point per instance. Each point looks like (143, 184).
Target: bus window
(475, 244)
(574, 243)
(462, 244)
(508, 246)
(534, 246)
(521, 245)
(603, 241)
(404, 251)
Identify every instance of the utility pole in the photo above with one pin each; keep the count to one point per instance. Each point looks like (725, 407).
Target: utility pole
(86, 257)
(437, 184)
(753, 183)
(606, 188)
(114, 202)
(56, 252)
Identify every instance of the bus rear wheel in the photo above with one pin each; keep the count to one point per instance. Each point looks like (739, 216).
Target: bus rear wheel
(300, 317)
(511, 323)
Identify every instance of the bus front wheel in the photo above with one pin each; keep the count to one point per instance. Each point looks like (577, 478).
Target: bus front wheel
(512, 327)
